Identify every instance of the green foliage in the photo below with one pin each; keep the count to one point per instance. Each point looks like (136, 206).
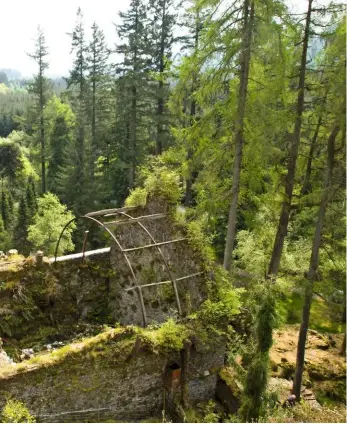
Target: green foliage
(4, 237)
(266, 321)
(6, 209)
(200, 241)
(11, 160)
(161, 182)
(210, 416)
(170, 336)
(48, 224)
(304, 413)
(21, 230)
(253, 403)
(255, 386)
(16, 412)
(137, 197)
(223, 303)
(323, 313)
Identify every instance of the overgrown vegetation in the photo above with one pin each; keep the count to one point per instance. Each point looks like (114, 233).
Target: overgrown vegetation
(16, 412)
(241, 136)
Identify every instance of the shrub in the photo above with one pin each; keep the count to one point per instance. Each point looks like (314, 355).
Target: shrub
(16, 412)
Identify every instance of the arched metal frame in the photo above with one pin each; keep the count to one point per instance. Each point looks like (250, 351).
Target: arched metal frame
(144, 318)
(131, 219)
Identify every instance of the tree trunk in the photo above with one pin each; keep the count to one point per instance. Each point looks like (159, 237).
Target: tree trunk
(42, 132)
(94, 113)
(312, 272)
(241, 108)
(293, 155)
(133, 135)
(306, 187)
(343, 347)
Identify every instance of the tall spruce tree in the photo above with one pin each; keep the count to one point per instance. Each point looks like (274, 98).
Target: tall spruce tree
(99, 82)
(163, 17)
(31, 198)
(134, 70)
(76, 181)
(6, 212)
(193, 21)
(60, 133)
(40, 88)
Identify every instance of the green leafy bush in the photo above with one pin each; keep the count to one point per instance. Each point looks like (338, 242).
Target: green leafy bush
(48, 223)
(161, 182)
(137, 197)
(16, 412)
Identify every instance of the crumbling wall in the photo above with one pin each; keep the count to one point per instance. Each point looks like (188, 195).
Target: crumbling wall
(106, 382)
(54, 295)
(95, 289)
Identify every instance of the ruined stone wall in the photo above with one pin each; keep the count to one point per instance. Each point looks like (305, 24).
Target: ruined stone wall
(95, 289)
(107, 383)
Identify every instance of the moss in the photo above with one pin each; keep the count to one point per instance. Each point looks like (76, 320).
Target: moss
(229, 376)
(331, 391)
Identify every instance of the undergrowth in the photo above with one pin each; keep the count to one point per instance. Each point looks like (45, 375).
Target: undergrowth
(16, 412)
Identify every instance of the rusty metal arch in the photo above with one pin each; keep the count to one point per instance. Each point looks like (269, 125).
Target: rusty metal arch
(122, 211)
(163, 258)
(144, 318)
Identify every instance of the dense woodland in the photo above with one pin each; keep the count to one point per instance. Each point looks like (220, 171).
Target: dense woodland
(248, 118)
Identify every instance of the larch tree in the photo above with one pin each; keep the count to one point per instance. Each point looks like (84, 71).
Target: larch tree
(333, 124)
(292, 156)
(245, 59)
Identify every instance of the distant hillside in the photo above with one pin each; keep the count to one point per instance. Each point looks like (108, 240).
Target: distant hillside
(12, 74)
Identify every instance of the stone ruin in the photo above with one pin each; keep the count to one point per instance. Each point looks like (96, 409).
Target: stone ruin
(148, 274)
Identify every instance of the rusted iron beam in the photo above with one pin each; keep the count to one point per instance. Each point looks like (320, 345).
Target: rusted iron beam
(107, 212)
(163, 258)
(162, 243)
(139, 218)
(166, 282)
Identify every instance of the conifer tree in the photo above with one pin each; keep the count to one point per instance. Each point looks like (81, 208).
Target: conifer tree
(75, 171)
(21, 228)
(99, 81)
(31, 198)
(248, 23)
(257, 373)
(6, 209)
(60, 131)
(161, 25)
(40, 90)
(134, 80)
(293, 154)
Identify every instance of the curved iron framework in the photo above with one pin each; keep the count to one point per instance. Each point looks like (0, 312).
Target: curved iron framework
(122, 211)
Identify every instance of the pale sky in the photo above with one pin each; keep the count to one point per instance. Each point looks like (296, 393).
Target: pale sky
(19, 20)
